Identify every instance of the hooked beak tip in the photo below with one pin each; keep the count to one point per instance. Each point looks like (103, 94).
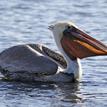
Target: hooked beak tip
(50, 27)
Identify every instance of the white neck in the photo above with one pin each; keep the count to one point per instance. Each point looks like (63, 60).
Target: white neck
(73, 66)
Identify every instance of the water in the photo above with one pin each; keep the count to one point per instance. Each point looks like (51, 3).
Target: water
(26, 21)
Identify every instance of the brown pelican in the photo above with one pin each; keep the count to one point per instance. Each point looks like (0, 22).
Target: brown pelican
(33, 62)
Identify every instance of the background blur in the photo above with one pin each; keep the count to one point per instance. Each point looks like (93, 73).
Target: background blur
(26, 21)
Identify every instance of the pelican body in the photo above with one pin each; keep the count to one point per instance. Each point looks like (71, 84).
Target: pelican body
(34, 62)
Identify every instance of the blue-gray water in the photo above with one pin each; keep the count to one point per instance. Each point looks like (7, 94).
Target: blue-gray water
(26, 21)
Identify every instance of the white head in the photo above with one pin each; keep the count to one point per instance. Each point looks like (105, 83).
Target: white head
(57, 28)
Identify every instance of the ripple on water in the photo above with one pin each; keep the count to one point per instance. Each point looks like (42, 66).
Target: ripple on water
(26, 21)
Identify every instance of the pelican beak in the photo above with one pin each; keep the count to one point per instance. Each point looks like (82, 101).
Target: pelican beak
(77, 43)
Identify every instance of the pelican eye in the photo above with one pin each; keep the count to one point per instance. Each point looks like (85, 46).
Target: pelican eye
(68, 27)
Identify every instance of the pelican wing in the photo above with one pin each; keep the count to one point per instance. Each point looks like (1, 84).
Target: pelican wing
(26, 58)
(58, 58)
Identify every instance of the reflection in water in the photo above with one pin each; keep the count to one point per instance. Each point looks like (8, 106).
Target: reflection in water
(69, 92)
(48, 94)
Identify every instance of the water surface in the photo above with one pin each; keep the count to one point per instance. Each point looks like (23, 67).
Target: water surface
(26, 21)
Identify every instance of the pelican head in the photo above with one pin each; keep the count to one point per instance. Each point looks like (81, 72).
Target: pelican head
(57, 28)
(75, 44)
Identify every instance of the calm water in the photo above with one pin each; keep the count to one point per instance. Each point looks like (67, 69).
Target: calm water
(26, 21)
